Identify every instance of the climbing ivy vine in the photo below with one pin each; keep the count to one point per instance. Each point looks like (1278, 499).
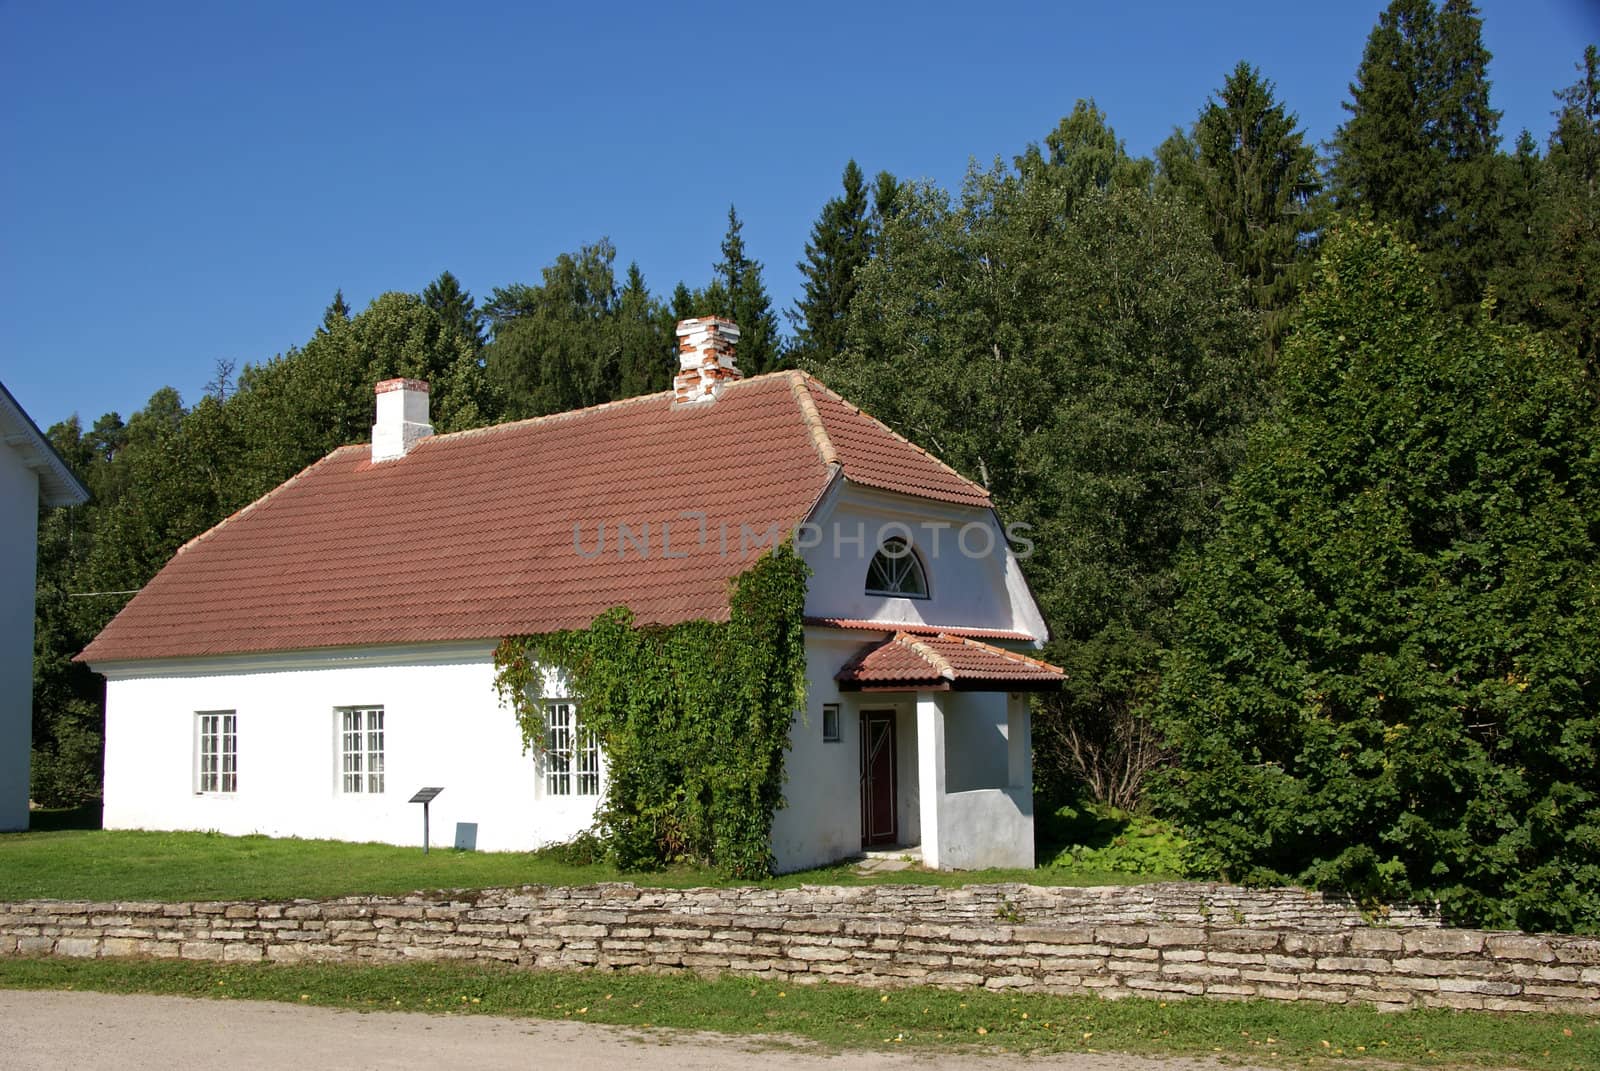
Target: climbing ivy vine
(694, 718)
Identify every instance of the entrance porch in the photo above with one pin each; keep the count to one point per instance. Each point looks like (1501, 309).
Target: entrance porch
(949, 775)
(946, 749)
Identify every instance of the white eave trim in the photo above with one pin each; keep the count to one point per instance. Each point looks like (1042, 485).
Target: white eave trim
(57, 485)
(443, 652)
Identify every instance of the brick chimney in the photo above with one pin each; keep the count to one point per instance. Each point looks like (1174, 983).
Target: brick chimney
(705, 359)
(402, 418)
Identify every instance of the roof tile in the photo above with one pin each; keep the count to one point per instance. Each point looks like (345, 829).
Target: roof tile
(943, 660)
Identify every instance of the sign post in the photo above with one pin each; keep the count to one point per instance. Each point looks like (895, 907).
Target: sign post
(425, 796)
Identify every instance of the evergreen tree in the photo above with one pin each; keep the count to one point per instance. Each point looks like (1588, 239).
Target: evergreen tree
(841, 241)
(1387, 678)
(739, 294)
(682, 306)
(1418, 150)
(455, 307)
(291, 410)
(1247, 167)
(644, 339)
(1521, 239)
(885, 197)
(337, 314)
(1572, 259)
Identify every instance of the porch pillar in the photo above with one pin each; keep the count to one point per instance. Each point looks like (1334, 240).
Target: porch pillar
(1019, 742)
(930, 771)
(1019, 768)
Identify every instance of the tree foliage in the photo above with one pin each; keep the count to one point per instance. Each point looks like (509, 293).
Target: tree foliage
(1567, 270)
(841, 242)
(1388, 677)
(455, 307)
(1072, 342)
(576, 339)
(1418, 150)
(1246, 166)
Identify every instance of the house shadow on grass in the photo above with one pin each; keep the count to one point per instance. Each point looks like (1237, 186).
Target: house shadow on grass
(51, 819)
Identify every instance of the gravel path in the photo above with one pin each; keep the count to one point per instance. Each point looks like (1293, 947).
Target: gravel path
(61, 1030)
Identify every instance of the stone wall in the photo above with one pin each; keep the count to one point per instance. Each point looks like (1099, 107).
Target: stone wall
(1166, 940)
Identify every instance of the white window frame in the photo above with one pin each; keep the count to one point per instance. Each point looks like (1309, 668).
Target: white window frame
(216, 752)
(571, 752)
(896, 568)
(832, 732)
(359, 749)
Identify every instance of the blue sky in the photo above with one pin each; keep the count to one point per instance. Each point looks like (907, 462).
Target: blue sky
(182, 183)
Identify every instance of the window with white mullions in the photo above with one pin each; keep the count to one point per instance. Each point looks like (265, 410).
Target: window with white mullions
(588, 755)
(361, 749)
(896, 570)
(218, 749)
(570, 749)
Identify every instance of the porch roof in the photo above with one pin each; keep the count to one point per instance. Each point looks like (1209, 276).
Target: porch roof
(945, 662)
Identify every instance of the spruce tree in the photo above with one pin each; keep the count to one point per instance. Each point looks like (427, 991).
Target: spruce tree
(742, 298)
(1572, 219)
(455, 307)
(841, 241)
(1418, 150)
(885, 199)
(336, 315)
(644, 338)
(1249, 170)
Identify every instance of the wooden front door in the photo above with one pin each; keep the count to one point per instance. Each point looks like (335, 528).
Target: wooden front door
(878, 825)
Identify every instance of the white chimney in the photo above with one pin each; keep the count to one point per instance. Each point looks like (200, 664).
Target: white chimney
(705, 359)
(402, 418)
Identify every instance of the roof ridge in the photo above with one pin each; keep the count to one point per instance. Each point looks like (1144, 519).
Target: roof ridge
(812, 380)
(812, 418)
(927, 654)
(252, 505)
(1013, 655)
(546, 418)
(568, 414)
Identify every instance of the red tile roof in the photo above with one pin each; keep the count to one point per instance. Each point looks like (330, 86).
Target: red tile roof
(946, 661)
(471, 535)
(875, 456)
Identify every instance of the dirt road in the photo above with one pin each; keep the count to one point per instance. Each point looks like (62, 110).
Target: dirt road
(45, 1031)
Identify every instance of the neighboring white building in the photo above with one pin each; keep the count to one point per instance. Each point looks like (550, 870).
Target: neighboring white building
(31, 473)
(308, 664)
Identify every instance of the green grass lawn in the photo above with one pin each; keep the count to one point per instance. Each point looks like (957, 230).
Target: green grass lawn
(92, 864)
(843, 1016)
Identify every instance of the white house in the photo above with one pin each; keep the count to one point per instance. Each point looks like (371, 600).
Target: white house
(309, 663)
(31, 472)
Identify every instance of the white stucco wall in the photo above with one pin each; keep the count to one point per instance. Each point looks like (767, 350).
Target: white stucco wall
(820, 820)
(974, 581)
(19, 536)
(443, 725)
(987, 827)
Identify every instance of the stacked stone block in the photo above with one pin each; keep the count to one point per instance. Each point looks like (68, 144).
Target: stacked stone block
(1170, 941)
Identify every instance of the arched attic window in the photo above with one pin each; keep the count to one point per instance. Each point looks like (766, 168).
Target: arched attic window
(897, 570)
